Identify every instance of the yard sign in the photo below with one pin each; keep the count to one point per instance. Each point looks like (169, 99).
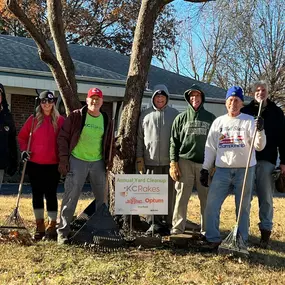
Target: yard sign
(137, 194)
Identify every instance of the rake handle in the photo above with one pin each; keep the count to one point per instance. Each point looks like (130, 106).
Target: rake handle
(247, 167)
(25, 163)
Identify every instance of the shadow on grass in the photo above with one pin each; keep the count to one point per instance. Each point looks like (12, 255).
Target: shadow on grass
(274, 245)
(267, 258)
(272, 257)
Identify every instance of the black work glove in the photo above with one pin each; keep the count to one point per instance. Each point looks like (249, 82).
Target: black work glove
(25, 155)
(259, 123)
(204, 177)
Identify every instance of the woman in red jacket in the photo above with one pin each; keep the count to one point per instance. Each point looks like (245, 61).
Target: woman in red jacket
(43, 162)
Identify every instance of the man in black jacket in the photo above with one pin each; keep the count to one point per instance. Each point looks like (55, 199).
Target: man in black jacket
(274, 125)
(8, 142)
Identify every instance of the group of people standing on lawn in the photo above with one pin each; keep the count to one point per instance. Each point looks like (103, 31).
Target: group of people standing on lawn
(190, 147)
(200, 146)
(74, 147)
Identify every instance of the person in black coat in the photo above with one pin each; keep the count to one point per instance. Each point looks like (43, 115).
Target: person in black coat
(274, 126)
(8, 142)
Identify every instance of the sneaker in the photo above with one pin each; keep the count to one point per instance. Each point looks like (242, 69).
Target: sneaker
(191, 226)
(208, 245)
(198, 237)
(62, 239)
(175, 232)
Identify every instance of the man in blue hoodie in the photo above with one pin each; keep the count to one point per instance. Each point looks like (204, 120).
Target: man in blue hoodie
(153, 147)
(8, 142)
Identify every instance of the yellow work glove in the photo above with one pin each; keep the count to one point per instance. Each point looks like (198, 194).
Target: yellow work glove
(140, 165)
(174, 171)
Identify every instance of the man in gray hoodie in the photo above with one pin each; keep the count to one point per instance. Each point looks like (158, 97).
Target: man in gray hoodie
(153, 147)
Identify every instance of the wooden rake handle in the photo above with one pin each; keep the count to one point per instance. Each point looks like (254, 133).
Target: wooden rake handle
(247, 166)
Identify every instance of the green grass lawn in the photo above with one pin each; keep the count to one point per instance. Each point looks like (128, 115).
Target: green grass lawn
(48, 263)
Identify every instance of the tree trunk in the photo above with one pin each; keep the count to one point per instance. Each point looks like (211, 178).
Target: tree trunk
(139, 65)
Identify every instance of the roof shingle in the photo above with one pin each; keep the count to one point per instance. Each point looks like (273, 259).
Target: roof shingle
(22, 53)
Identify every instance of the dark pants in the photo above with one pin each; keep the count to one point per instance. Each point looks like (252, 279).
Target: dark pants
(44, 180)
(171, 197)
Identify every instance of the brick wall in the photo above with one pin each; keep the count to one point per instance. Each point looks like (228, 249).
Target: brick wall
(23, 106)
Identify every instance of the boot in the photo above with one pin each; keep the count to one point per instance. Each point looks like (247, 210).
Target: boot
(51, 233)
(264, 240)
(40, 230)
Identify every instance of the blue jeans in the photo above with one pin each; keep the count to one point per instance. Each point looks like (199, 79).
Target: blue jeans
(264, 191)
(223, 181)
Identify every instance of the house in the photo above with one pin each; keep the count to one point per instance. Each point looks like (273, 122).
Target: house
(22, 72)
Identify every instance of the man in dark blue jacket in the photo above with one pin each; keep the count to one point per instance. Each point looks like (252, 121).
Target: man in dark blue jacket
(274, 126)
(8, 142)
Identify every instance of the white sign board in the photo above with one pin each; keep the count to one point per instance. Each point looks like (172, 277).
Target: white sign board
(141, 194)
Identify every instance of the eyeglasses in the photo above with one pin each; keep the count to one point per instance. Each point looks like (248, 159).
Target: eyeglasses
(47, 100)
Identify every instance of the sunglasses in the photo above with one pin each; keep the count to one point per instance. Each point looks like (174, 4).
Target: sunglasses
(47, 100)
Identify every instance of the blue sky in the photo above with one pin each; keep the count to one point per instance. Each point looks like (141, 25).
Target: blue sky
(183, 12)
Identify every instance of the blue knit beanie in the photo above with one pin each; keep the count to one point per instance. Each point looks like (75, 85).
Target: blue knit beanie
(235, 91)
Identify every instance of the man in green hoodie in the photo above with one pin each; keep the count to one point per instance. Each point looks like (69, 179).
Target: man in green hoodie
(187, 143)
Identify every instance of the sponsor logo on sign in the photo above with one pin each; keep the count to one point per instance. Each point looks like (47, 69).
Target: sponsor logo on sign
(153, 200)
(141, 189)
(134, 200)
(141, 194)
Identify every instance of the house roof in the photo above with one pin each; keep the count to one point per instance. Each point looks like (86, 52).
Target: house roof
(22, 53)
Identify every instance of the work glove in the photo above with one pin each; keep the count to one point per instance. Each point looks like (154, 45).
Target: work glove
(174, 171)
(259, 123)
(140, 165)
(63, 168)
(25, 155)
(204, 177)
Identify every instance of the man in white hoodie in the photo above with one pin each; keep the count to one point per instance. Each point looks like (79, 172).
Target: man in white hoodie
(227, 147)
(153, 147)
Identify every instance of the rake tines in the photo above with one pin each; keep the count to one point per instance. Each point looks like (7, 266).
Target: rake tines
(108, 244)
(14, 230)
(233, 245)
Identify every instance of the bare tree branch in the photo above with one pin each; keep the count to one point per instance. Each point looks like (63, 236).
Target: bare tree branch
(65, 81)
(54, 10)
